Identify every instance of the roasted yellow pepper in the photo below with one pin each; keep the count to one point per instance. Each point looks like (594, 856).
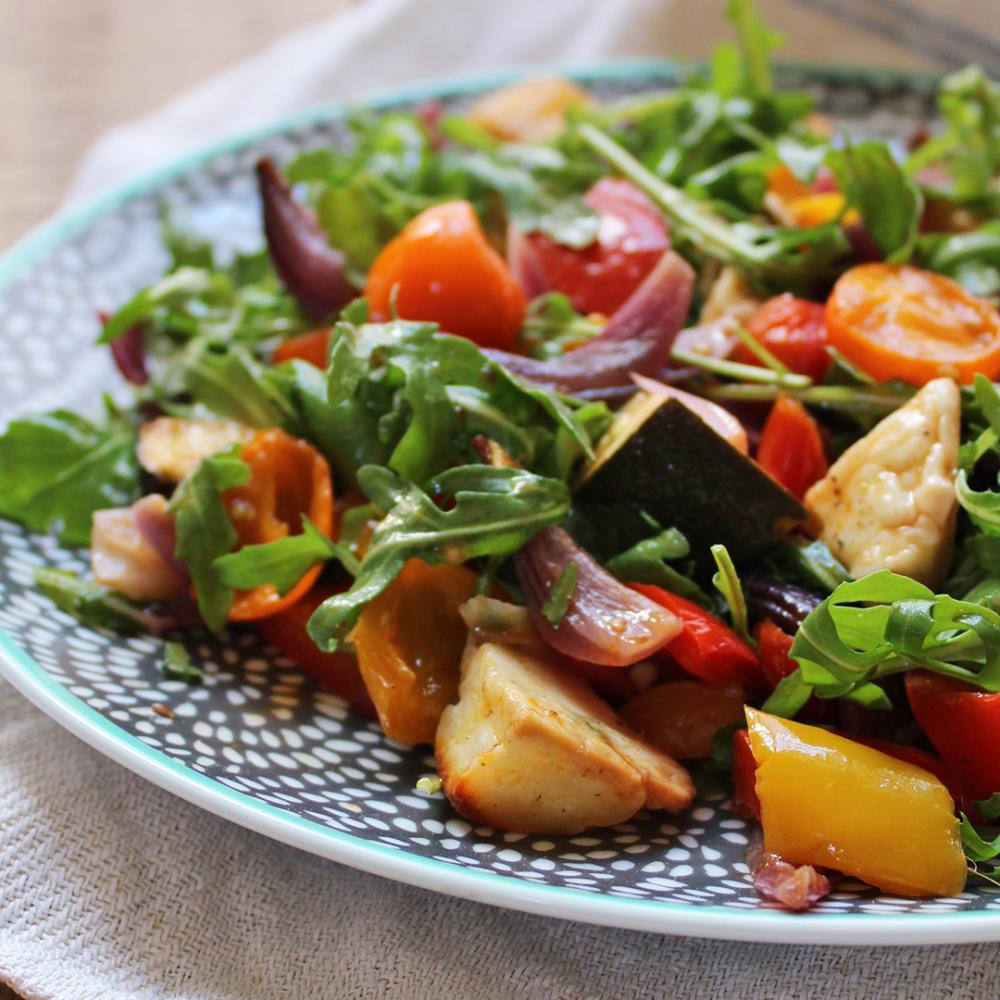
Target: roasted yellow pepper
(409, 642)
(828, 801)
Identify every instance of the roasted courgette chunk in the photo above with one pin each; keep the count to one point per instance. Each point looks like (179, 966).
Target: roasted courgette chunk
(664, 459)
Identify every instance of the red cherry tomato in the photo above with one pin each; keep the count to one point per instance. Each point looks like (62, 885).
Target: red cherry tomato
(791, 447)
(312, 347)
(631, 239)
(706, 648)
(441, 268)
(964, 726)
(793, 331)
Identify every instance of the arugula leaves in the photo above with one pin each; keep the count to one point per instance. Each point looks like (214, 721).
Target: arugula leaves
(727, 582)
(969, 147)
(204, 531)
(90, 603)
(178, 666)
(888, 201)
(557, 601)
(646, 562)
(476, 510)
(978, 850)
(972, 259)
(404, 395)
(56, 469)
(886, 624)
(282, 562)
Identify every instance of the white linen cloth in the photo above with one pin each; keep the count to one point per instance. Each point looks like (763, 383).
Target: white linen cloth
(112, 889)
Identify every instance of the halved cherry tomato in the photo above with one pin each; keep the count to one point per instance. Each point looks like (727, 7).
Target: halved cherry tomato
(807, 205)
(793, 331)
(631, 238)
(409, 642)
(443, 270)
(288, 478)
(337, 672)
(964, 726)
(902, 322)
(706, 647)
(312, 347)
(528, 110)
(791, 448)
(682, 717)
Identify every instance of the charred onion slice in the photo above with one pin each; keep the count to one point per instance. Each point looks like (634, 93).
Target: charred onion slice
(312, 270)
(638, 337)
(606, 622)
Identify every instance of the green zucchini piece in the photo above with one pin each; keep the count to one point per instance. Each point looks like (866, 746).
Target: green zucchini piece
(663, 458)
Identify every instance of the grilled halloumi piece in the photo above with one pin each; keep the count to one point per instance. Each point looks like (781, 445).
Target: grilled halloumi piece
(529, 747)
(170, 447)
(889, 501)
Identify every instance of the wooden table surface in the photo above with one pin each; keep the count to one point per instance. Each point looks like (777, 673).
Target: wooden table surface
(71, 68)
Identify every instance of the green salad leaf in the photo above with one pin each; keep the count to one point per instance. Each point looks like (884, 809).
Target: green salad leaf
(57, 468)
(889, 202)
(727, 582)
(91, 603)
(178, 666)
(282, 562)
(471, 511)
(557, 601)
(204, 531)
(647, 562)
(886, 624)
(972, 259)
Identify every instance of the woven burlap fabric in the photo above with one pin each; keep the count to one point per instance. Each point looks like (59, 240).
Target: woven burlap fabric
(111, 889)
(115, 889)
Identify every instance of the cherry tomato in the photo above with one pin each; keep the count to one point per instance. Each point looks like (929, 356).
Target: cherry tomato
(312, 347)
(791, 448)
(899, 322)
(793, 331)
(631, 239)
(963, 724)
(706, 647)
(442, 269)
(338, 672)
(288, 478)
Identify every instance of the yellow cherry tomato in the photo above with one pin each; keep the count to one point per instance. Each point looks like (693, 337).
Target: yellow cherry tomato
(828, 801)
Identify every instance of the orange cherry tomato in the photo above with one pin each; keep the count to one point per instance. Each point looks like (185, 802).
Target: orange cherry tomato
(444, 271)
(409, 642)
(288, 478)
(791, 447)
(312, 347)
(899, 322)
(793, 331)
(337, 672)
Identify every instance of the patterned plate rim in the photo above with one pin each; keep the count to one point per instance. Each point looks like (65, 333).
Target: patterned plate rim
(73, 714)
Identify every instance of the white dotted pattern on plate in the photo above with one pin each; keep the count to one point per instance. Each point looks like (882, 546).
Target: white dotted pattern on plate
(256, 725)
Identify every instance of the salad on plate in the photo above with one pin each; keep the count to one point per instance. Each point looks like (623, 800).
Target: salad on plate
(617, 451)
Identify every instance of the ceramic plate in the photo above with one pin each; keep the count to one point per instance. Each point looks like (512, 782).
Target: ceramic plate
(260, 744)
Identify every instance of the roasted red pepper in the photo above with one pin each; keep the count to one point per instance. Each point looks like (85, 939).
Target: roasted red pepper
(773, 647)
(706, 647)
(964, 726)
(791, 447)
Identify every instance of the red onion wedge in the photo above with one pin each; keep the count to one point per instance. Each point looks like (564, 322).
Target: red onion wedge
(129, 353)
(795, 887)
(637, 338)
(312, 270)
(605, 622)
(524, 264)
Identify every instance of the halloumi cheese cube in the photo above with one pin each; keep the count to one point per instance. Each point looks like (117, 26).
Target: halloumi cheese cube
(889, 501)
(529, 747)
